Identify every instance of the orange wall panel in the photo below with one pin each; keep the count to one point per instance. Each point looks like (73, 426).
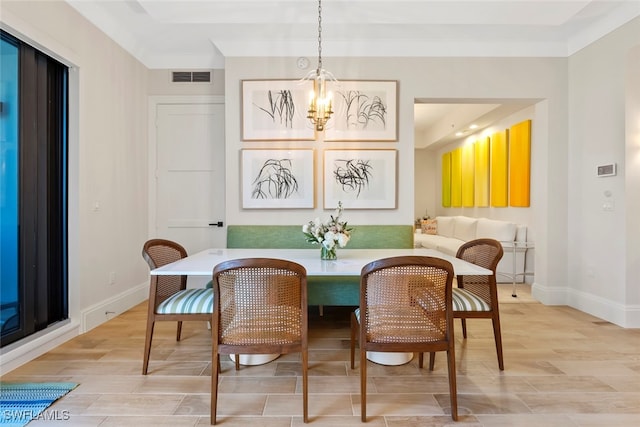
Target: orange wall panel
(499, 169)
(520, 164)
(481, 172)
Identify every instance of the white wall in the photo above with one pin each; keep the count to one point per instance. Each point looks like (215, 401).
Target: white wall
(603, 80)
(632, 183)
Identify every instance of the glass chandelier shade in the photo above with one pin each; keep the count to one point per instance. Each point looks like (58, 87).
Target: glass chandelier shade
(320, 104)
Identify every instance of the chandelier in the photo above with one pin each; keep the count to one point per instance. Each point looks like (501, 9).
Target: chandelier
(319, 111)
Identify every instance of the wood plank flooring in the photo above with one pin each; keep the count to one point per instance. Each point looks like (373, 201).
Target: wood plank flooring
(562, 368)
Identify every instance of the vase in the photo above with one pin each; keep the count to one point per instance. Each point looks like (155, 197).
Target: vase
(328, 254)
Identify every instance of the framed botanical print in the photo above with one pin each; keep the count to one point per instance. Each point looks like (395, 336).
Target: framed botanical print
(361, 179)
(363, 111)
(278, 179)
(276, 110)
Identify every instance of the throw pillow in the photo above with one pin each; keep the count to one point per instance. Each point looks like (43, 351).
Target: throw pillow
(429, 226)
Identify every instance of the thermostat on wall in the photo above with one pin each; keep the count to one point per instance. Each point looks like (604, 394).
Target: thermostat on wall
(607, 170)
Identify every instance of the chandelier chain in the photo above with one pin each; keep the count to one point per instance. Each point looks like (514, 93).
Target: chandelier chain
(319, 34)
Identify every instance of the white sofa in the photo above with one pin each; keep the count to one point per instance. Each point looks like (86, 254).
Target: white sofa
(453, 231)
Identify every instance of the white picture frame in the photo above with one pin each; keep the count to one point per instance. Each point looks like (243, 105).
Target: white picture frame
(276, 110)
(360, 178)
(278, 178)
(363, 111)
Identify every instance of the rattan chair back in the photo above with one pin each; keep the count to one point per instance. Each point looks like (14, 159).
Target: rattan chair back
(486, 253)
(260, 307)
(405, 306)
(163, 290)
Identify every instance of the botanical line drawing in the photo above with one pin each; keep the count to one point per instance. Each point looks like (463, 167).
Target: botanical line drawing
(275, 180)
(363, 109)
(352, 175)
(281, 107)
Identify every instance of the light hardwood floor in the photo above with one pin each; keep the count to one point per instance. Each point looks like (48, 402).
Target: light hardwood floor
(562, 368)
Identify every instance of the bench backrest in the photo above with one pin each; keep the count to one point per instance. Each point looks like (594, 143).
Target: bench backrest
(291, 237)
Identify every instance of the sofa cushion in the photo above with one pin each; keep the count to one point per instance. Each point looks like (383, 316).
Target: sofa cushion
(430, 241)
(429, 226)
(449, 246)
(445, 225)
(501, 231)
(465, 228)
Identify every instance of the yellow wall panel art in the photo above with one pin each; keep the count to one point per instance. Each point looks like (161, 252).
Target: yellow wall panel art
(499, 168)
(446, 180)
(520, 164)
(481, 173)
(468, 175)
(456, 178)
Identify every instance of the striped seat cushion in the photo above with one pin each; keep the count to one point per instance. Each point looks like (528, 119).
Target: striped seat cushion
(464, 300)
(194, 301)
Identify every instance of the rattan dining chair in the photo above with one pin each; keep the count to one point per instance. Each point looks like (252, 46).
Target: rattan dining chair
(477, 296)
(169, 298)
(260, 308)
(405, 306)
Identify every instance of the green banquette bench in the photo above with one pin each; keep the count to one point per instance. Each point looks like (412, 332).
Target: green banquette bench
(322, 290)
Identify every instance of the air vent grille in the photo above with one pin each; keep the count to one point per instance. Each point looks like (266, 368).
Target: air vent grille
(201, 76)
(191, 76)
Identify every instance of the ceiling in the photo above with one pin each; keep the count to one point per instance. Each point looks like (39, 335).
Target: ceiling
(183, 34)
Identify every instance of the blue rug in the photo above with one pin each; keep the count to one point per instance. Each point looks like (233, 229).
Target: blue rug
(23, 402)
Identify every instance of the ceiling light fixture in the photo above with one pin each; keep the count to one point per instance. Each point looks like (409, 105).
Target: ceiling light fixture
(319, 111)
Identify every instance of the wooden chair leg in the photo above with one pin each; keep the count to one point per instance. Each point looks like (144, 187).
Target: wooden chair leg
(464, 327)
(215, 368)
(497, 336)
(432, 360)
(354, 333)
(147, 346)
(179, 331)
(305, 386)
(420, 360)
(237, 362)
(363, 385)
(453, 392)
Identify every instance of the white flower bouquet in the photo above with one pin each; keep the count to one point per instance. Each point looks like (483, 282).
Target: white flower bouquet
(331, 234)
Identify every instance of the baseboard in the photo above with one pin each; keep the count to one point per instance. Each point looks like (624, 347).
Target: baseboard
(108, 309)
(626, 316)
(17, 354)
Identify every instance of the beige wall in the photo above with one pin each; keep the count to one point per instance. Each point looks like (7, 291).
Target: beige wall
(108, 153)
(632, 178)
(603, 257)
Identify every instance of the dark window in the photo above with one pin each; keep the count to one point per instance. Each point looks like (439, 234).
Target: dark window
(34, 279)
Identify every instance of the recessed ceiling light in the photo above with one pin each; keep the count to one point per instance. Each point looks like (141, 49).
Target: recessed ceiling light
(473, 127)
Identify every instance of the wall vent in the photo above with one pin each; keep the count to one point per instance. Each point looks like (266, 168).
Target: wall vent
(191, 76)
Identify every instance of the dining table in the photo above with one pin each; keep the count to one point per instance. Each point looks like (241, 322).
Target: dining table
(348, 263)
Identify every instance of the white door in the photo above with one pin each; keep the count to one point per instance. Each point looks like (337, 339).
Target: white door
(190, 176)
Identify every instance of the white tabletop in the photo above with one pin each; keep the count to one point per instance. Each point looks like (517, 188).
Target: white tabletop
(349, 262)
